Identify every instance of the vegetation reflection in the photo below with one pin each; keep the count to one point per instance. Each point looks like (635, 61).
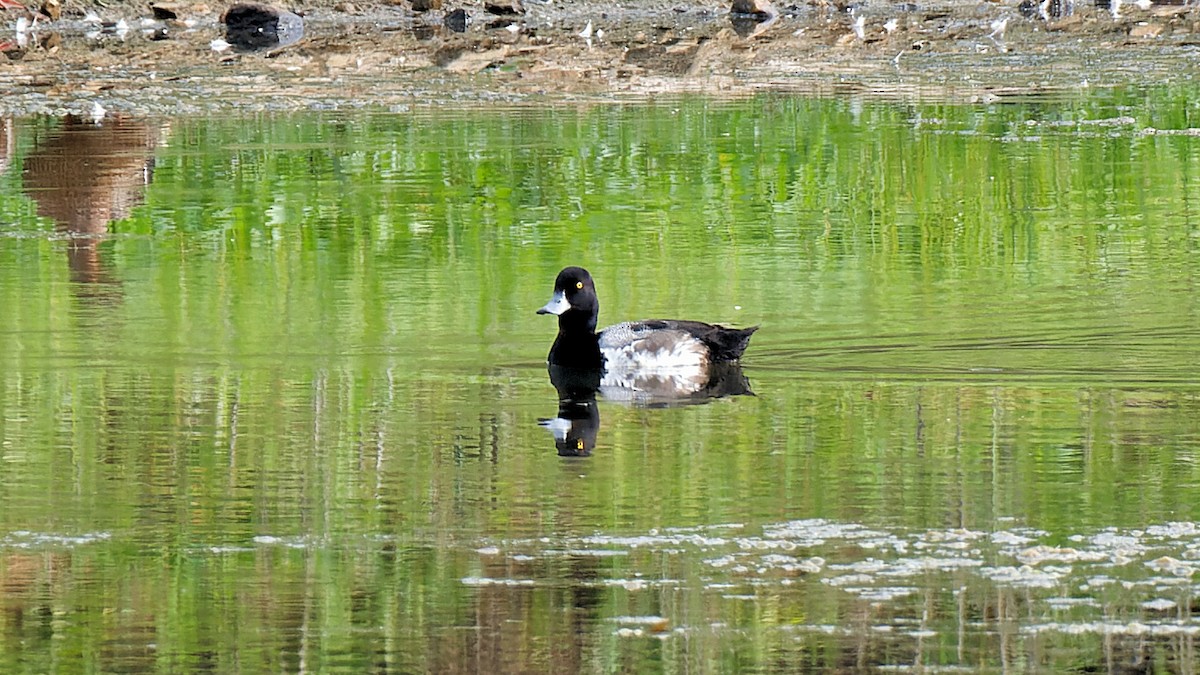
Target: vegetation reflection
(306, 437)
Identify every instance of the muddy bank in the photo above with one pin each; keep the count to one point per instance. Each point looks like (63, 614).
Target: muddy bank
(383, 55)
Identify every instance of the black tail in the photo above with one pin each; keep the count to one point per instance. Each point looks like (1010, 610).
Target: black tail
(727, 344)
(724, 344)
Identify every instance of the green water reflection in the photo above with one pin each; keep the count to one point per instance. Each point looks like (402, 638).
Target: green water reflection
(271, 390)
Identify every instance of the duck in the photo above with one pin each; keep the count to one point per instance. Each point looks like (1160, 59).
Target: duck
(632, 346)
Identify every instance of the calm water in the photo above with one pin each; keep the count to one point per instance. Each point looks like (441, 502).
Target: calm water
(270, 390)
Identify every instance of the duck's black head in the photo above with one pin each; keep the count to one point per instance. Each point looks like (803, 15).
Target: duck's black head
(576, 306)
(574, 301)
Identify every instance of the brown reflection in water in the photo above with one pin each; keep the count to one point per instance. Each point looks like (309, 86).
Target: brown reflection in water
(27, 581)
(84, 176)
(548, 627)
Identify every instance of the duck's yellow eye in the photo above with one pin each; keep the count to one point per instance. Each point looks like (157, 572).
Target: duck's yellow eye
(578, 284)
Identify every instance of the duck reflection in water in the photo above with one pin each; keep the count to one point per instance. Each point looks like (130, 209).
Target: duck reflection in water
(84, 176)
(578, 421)
(647, 363)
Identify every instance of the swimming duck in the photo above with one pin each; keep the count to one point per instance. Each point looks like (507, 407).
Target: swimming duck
(655, 344)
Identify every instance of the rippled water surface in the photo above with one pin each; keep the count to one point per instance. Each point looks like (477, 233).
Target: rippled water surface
(270, 390)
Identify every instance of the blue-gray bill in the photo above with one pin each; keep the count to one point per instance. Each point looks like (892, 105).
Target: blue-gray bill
(557, 305)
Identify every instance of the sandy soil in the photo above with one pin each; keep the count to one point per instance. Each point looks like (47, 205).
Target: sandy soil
(380, 54)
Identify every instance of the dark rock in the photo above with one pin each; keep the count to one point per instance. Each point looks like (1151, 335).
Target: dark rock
(744, 25)
(752, 17)
(252, 25)
(754, 7)
(457, 20)
(504, 7)
(426, 5)
(164, 11)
